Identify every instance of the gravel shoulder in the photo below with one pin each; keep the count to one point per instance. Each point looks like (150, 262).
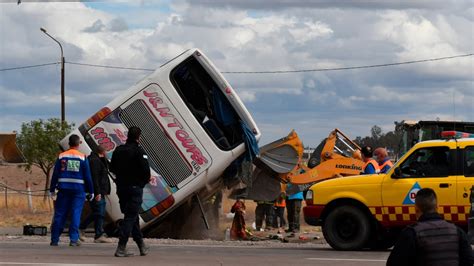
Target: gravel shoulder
(261, 239)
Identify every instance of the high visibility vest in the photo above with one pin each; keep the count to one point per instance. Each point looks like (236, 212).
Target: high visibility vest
(72, 171)
(387, 164)
(280, 204)
(374, 163)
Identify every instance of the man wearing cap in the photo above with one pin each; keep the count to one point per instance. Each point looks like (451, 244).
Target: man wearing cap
(371, 166)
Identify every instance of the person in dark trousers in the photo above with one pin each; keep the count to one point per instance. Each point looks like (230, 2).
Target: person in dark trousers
(293, 207)
(100, 177)
(432, 240)
(130, 165)
(279, 211)
(72, 177)
(264, 211)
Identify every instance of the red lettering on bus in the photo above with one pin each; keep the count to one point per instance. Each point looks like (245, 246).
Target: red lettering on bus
(197, 155)
(187, 143)
(181, 134)
(155, 101)
(102, 138)
(164, 112)
(120, 135)
(150, 94)
(97, 130)
(175, 124)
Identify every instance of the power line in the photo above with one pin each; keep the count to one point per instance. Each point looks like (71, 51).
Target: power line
(31, 66)
(261, 72)
(347, 68)
(113, 67)
(296, 71)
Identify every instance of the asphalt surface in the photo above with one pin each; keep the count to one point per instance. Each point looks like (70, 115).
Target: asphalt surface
(38, 252)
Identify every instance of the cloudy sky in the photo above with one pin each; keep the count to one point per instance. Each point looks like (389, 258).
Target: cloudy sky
(249, 35)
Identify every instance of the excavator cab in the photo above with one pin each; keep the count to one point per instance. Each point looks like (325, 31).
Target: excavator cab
(335, 145)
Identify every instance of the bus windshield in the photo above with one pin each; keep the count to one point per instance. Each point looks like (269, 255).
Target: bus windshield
(207, 103)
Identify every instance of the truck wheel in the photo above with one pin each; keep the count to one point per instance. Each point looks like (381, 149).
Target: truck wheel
(347, 228)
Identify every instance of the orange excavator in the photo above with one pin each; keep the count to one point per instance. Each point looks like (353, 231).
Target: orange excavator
(337, 156)
(9, 151)
(282, 162)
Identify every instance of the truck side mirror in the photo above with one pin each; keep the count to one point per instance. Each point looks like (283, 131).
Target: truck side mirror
(397, 173)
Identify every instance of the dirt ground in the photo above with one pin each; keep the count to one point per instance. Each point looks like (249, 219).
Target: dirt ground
(16, 177)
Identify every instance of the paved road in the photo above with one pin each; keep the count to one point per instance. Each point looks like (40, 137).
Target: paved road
(40, 253)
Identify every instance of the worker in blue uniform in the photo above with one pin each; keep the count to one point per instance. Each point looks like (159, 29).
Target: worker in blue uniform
(72, 178)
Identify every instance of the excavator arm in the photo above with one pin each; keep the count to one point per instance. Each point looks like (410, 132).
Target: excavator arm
(282, 162)
(340, 156)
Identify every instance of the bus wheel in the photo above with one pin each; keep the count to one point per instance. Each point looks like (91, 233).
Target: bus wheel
(347, 228)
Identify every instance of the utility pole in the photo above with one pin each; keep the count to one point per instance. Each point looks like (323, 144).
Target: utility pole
(63, 112)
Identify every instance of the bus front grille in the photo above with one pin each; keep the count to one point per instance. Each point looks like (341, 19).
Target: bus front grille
(162, 154)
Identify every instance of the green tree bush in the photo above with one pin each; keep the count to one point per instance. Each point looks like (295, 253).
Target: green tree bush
(39, 143)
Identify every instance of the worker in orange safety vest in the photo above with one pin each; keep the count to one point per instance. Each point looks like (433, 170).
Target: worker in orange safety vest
(382, 158)
(371, 166)
(279, 211)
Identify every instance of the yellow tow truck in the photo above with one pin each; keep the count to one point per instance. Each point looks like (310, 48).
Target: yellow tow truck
(368, 211)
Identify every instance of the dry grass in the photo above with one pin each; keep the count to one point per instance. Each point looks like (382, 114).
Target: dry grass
(18, 213)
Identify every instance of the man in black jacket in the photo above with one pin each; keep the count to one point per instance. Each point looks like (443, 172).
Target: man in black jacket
(130, 165)
(432, 240)
(100, 178)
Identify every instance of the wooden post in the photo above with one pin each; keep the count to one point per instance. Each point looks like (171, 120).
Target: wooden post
(49, 203)
(6, 196)
(30, 200)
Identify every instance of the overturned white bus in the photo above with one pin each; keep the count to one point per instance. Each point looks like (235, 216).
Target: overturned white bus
(192, 129)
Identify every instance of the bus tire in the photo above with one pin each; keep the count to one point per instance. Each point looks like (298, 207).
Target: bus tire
(347, 228)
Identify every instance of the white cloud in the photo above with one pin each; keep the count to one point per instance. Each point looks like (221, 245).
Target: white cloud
(309, 31)
(251, 36)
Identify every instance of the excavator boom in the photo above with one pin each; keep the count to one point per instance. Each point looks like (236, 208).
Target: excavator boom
(339, 156)
(282, 162)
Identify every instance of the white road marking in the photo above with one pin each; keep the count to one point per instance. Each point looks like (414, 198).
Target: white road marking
(334, 259)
